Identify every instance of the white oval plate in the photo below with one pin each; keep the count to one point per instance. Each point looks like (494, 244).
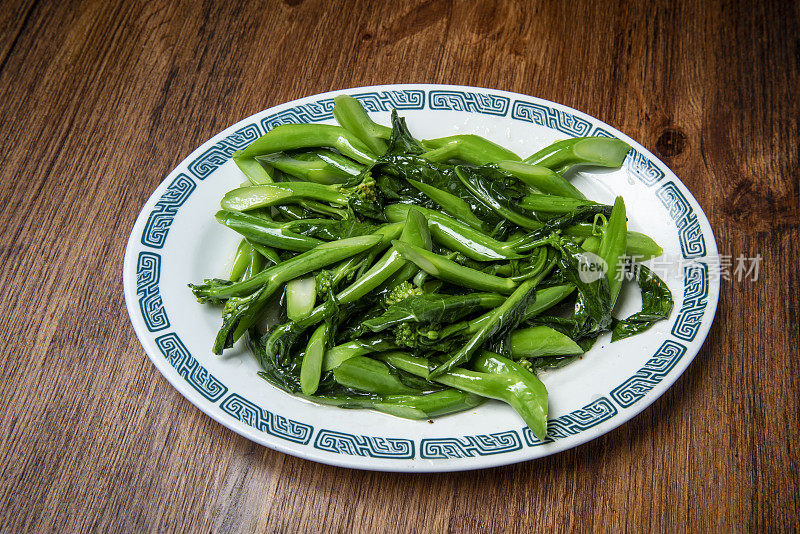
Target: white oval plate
(176, 240)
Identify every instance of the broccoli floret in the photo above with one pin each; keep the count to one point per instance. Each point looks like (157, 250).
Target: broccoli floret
(323, 281)
(407, 335)
(364, 191)
(401, 292)
(365, 198)
(367, 189)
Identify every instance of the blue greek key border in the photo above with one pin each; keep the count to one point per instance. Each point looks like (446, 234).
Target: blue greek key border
(160, 219)
(148, 274)
(268, 422)
(470, 446)
(636, 163)
(654, 371)
(198, 376)
(552, 118)
(372, 446)
(211, 159)
(690, 235)
(695, 299)
(323, 109)
(574, 422)
(632, 390)
(485, 103)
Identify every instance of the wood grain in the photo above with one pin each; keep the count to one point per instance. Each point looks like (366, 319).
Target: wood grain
(99, 100)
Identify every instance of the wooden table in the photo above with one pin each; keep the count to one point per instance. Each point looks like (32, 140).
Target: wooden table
(100, 100)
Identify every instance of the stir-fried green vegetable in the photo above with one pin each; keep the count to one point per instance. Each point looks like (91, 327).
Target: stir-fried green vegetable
(419, 278)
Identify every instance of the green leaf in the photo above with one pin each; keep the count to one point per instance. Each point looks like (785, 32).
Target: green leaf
(498, 193)
(579, 215)
(656, 305)
(593, 305)
(432, 308)
(331, 229)
(282, 371)
(401, 140)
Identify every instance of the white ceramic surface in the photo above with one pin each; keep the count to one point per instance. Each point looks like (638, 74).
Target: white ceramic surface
(176, 240)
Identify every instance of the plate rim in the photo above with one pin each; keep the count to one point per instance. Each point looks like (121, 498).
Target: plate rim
(416, 463)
